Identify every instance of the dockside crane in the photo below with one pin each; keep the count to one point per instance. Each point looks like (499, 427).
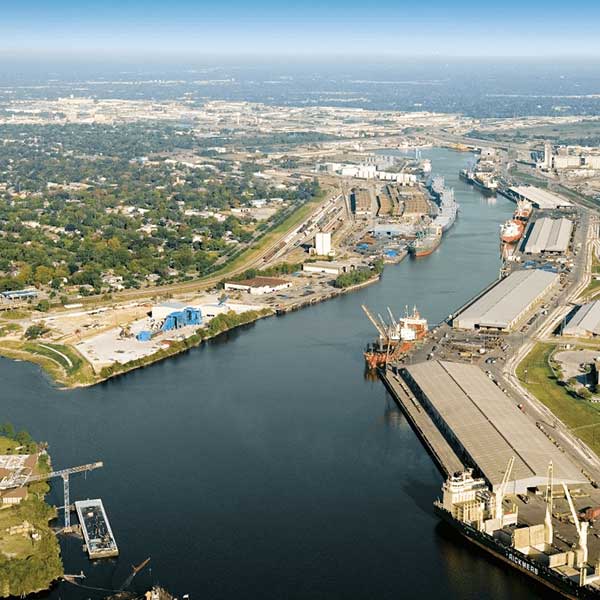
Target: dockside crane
(548, 528)
(64, 474)
(582, 530)
(380, 330)
(502, 489)
(394, 322)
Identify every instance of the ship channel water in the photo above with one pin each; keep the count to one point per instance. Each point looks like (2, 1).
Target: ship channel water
(264, 464)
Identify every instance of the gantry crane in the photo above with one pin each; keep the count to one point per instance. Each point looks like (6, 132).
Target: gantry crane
(64, 473)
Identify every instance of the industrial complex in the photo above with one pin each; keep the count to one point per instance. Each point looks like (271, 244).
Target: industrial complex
(507, 302)
(485, 427)
(539, 197)
(549, 236)
(585, 322)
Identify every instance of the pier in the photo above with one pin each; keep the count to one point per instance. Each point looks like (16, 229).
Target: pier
(436, 444)
(98, 535)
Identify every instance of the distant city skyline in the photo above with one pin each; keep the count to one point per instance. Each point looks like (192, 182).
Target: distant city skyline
(233, 28)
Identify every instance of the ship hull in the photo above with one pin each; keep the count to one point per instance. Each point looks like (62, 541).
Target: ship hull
(483, 188)
(420, 252)
(543, 575)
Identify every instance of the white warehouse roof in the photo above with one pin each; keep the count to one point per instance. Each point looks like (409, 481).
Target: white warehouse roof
(487, 425)
(505, 303)
(586, 321)
(549, 235)
(539, 197)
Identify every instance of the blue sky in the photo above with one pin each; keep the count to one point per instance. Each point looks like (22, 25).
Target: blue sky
(265, 28)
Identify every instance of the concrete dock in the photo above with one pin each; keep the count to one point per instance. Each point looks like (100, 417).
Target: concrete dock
(440, 450)
(98, 535)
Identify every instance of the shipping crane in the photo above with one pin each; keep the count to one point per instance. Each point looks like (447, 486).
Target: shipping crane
(394, 322)
(582, 530)
(548, 529)
(380, 330)
(63, 473)
(502, 489)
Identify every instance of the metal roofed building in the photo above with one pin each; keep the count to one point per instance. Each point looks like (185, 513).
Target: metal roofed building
(485, 427)
(549, 235)
(585, 322)
(538, 197)
(507, 302)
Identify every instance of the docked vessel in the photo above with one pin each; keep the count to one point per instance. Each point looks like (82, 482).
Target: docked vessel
(479, 514)
(466, 175)
(448, 210)
(395, 338)
(437, 186)
(484, 182)
(523, 210)
(426, 242)
(512, 231)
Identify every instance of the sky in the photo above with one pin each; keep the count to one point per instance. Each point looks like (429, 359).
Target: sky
(284, 29)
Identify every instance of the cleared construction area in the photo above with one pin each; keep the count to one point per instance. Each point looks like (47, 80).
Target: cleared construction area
(539, 197)
(485, 428)
(585, 322)
(549, 236)
(506, 303)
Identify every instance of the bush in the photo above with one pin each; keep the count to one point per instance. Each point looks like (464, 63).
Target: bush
(35, 331)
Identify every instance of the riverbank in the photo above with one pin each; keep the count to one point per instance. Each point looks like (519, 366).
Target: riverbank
(69, 369)
(30, 560)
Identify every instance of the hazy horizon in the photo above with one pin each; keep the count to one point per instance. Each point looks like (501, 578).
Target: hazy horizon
(392, 30)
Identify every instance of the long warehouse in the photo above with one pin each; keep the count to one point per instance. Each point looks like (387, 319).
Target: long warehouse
(549, 236)
(505, 304)
(585, 322)
(485, 428)
(539, 197)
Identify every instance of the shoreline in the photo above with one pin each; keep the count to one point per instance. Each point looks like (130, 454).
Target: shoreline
(61, 378)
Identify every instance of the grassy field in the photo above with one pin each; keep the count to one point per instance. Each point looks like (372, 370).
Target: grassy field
(581, 416)
(63, 363)
(30, 557)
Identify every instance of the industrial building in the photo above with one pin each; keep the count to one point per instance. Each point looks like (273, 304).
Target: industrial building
(540, 198)
(507, 302)
(362, 203)
(259, 285)
(19, 294)
(328, 267)
(485, 428)
(549, 236)
(585, 322)
(323, 243)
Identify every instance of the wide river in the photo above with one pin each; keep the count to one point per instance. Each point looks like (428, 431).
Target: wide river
(264, 464)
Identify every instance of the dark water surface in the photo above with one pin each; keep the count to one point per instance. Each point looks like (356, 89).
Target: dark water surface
(264, 464)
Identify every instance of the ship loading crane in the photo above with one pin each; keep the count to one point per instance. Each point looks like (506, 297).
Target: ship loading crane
(64, 474)
(582, 530)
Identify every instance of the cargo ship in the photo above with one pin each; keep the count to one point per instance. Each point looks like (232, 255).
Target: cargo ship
(523, 210)
(512, 231)
(395, 338)
(426, 242)
(437, 186)
(448, 210)
(471, 508)
(485, 183)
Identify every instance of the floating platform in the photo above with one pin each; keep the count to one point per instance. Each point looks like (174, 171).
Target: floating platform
(98, 535)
